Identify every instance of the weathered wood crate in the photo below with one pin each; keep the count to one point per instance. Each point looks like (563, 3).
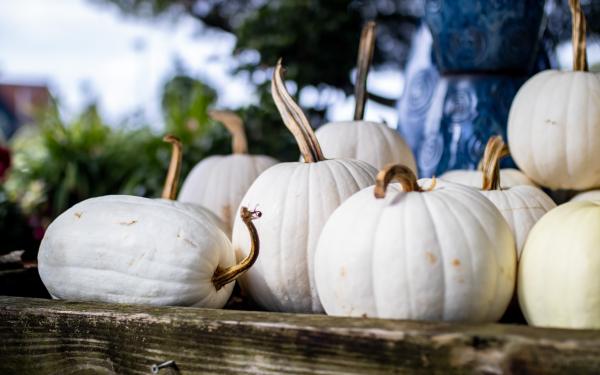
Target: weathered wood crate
(39, 336)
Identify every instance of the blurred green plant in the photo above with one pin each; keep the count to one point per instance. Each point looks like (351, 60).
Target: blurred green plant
(56, 164)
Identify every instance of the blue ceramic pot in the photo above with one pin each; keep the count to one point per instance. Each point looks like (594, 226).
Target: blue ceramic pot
(463, 111)
(485, 35)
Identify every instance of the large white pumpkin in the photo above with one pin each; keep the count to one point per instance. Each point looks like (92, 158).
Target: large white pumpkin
(559, 271)
(522, 206)
(297, 199)
(554, 122)
(444, 254)
(373, 142)
(128, 249)
(220, 181)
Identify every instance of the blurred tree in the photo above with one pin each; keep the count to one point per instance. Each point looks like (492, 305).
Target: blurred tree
(317, 39)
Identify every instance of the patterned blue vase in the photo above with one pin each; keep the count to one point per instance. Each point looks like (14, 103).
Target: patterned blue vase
(448, 117)
(485, 35)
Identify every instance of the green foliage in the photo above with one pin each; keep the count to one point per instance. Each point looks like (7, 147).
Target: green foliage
(15, 232)
(318, 40)
(57, 164)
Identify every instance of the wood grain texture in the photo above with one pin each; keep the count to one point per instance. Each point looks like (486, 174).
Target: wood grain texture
(55, 337)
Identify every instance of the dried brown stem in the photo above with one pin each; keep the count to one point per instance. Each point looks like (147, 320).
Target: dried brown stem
(172, 180)
(235, 126)
(495, 150)
(222, 277)
(365, 56)
(398, 172)
(294, 119)
(578, 36)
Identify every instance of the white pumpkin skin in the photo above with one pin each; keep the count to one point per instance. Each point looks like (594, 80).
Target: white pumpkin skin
(219, 183)
(592, 195)
(296, 200)
(509, 177)
(554, 129)
(203, 213)
(521, 207)
(442, 255)
(372, 142)
(128, 249)
(559, 272)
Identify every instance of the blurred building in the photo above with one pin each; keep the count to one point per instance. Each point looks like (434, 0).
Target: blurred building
(18, 104)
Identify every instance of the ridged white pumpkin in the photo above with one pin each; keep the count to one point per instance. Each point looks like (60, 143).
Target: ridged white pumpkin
(220, 181)
(298, 197)
(128, 249)
(509, 177)
(592, 195)
(445, 254)
(522, 206)
(559, 271)
(554, 123)
(373, 142)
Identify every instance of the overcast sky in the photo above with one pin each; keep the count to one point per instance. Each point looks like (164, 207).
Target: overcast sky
(82, 51)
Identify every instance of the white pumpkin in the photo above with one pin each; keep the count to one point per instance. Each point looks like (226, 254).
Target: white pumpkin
(559, 271)
(299, 197)
(522, 206)
(172, 181)
(509, 177)
(592, 195)
(373, 142)
(128, 249)
(554, 122)
(441, 254)
(220, 181)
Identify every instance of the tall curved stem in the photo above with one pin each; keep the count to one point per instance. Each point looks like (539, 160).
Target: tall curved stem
(235, 126)
(365, 56)
(578, 36)
(495, 150)
(222, 277)
(294, 119)
(172, 180)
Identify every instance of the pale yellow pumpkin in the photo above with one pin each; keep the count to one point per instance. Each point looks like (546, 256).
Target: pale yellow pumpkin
(559, 271)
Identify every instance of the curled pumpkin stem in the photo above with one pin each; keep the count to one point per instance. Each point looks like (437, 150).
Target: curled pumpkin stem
(235, 126)
(578, 36)
(495, 150)
(365, 56)
(222, 277)
(172, 180)
(294, 119)
(398, 172)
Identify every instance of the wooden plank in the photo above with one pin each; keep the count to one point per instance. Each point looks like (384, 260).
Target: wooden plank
(55, 337)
